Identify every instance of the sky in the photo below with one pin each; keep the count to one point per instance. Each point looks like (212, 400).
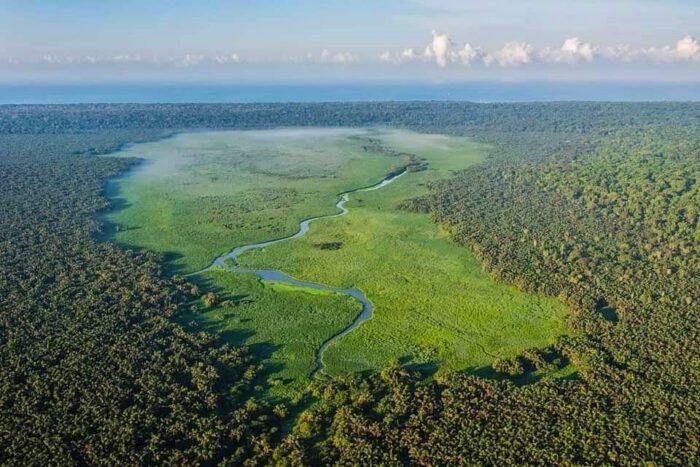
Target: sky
(349, 41)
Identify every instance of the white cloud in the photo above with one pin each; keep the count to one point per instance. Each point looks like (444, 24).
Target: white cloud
(58, 60)
(124, 58)
(408, 54)
(572, 51)
(618, 53)
(191, 60)
(654, 54)
(84, 60)
(512, 54)
(439, 49)
(386, 57)
(224, 59)
(467, 54)
(338, 57)
(688, 48)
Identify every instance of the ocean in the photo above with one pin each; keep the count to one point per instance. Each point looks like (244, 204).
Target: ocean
(247, 93)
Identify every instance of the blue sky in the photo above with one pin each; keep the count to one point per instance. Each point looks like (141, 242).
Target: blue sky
(359, 40)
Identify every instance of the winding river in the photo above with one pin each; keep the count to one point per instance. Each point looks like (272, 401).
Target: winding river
(229, 260)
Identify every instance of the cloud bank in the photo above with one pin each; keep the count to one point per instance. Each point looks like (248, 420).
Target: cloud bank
(441, 51)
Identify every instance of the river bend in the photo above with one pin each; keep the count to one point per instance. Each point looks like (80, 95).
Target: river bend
(228, 262)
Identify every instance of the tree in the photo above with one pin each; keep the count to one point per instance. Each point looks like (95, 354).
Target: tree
(209, 299)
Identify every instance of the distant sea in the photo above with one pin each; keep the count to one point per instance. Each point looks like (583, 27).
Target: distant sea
(475, 92)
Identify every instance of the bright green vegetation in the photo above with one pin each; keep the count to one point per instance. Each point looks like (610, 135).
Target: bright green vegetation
(432, 302)
(201, 194)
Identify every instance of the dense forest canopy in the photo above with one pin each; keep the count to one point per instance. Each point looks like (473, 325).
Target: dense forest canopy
(595, 203)
(461, 117)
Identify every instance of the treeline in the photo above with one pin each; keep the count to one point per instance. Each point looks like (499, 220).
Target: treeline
(596, 203)
(409, 162)
(397, 419)
(445, 117)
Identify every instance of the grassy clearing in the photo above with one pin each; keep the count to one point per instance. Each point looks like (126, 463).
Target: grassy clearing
(201, 194)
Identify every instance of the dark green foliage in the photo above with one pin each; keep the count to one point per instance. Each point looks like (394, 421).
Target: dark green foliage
(510, 366)
(395, 420)
(422, 205)
(445, 117)
(541, 359)
(329, 245)
(409, 162)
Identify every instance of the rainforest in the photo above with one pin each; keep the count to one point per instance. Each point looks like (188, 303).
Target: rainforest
(434, 283)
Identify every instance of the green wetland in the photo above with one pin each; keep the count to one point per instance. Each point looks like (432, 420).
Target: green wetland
(199, 195)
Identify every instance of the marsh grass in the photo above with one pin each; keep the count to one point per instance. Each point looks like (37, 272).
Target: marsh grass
(201, 194)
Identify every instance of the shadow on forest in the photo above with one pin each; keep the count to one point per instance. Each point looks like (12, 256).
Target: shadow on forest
(487, 372)
(261, 352)
(427, 369)
(108, 230)
(530, 376)
(606, 311)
